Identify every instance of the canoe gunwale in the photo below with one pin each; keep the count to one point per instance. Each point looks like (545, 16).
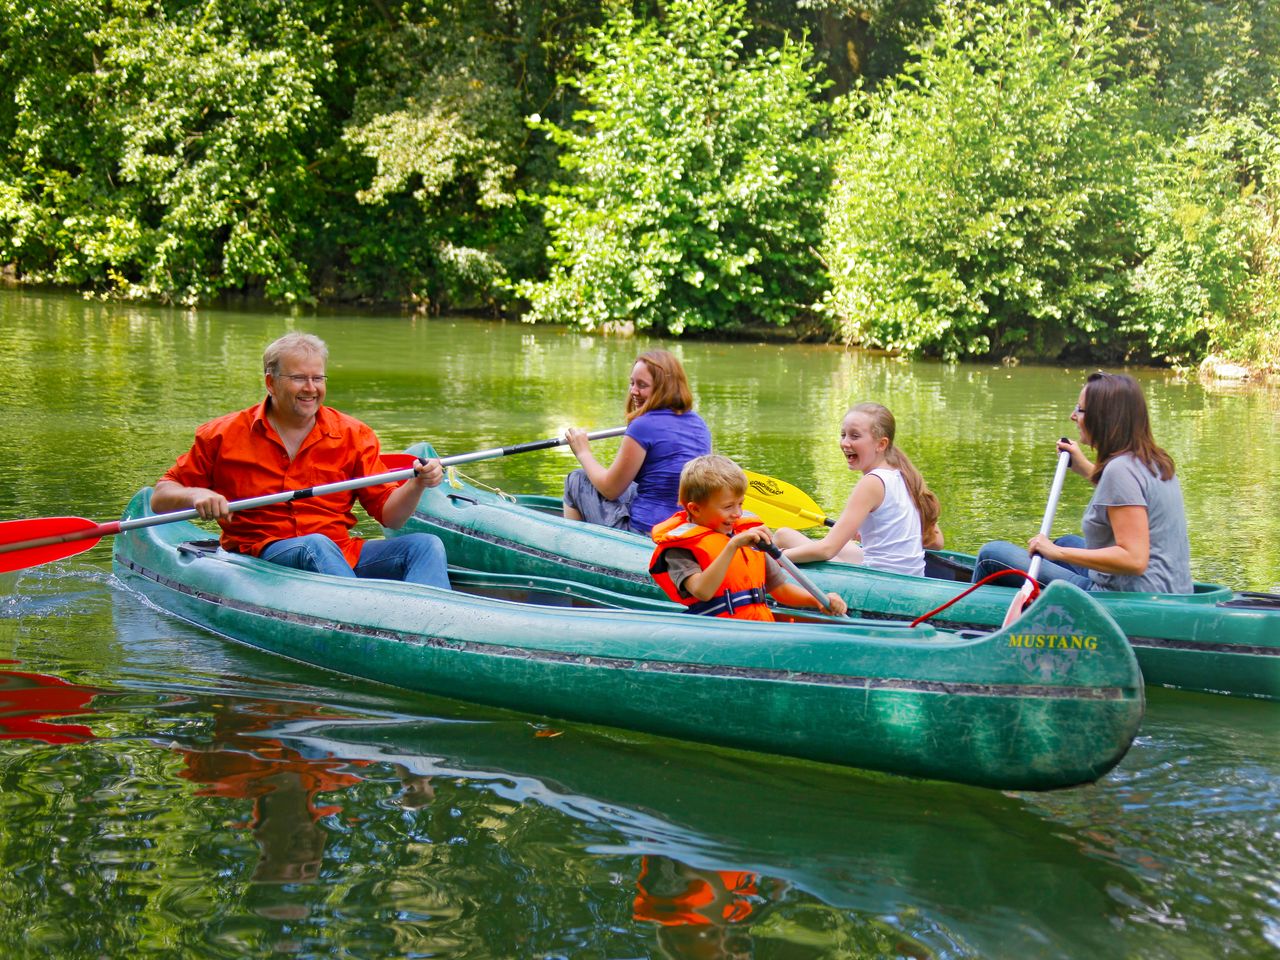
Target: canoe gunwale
(726, 671)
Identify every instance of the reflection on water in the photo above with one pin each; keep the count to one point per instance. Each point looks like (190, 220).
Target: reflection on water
(700, 913)
(28, 702)
(163, 791)
(237, 803)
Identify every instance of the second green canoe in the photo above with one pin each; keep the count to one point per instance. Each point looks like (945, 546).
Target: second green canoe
(1215, 640)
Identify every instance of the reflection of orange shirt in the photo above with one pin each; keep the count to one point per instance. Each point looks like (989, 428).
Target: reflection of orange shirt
(243, 764)
(703, 896)
(240, 455)
(248, 776)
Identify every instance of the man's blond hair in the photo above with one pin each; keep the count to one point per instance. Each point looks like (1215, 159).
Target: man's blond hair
(289, 344)
(703, 477)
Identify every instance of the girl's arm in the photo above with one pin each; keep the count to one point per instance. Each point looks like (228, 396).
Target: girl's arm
(933, 539)
(612, 481)
(868, 493)
(1129, 555)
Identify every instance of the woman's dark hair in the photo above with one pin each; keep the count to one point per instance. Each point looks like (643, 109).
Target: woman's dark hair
(1116, 419)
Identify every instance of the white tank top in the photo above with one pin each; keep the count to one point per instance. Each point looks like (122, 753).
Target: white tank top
(891, 537)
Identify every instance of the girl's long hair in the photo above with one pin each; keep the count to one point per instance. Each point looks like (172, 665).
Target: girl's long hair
(670, 385)
(883, 425)
(1116, 419)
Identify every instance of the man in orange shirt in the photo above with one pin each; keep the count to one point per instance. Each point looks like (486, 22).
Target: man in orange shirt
(293, 441)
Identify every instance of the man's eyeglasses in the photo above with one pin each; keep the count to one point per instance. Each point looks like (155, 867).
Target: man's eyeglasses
(302, 379)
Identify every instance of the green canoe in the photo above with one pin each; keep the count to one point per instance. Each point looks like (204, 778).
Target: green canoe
(1055, 701)
(1215, 640)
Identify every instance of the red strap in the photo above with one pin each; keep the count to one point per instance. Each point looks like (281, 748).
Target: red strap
(1035, 592)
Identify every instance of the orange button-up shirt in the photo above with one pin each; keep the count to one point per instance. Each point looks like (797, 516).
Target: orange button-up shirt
(240, 455)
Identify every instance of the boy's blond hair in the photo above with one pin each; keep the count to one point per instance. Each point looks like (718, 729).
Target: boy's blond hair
(704, 476)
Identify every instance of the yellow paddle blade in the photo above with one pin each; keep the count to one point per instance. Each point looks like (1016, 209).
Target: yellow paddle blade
(779, 504)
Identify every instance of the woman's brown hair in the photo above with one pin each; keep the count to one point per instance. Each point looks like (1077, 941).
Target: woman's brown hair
(670, 386)
(1116, 419)
(883, 425)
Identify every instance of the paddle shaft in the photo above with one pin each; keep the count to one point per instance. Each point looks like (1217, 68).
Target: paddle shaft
(495, 452)
(1051, 508)
(97, 531)
(790, 566)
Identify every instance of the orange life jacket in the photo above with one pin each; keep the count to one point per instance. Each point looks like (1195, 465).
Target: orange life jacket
(741, 595)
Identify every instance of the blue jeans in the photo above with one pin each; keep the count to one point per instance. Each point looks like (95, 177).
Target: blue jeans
(1003, 555)
(414, 558)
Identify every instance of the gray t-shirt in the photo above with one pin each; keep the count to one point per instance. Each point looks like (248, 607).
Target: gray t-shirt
(682, 564)
(1127, 482)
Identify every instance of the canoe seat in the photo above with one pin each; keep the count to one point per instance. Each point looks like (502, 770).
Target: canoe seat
(938, 567)
(199, 548)
(1254, 601)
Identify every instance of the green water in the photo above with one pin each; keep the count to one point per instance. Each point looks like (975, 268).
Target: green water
(166, 793)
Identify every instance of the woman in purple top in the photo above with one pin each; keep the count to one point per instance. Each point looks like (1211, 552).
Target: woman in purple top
(663, 433)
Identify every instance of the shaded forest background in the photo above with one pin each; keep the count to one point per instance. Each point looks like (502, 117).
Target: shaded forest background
(955, 178)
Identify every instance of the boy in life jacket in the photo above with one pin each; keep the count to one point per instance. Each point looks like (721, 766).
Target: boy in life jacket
(704, 559)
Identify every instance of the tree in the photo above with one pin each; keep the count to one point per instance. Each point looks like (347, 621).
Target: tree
(693, 178)
(985, 200)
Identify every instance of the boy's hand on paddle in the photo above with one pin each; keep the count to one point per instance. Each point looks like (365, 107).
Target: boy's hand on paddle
(750, 537)
(836, 605)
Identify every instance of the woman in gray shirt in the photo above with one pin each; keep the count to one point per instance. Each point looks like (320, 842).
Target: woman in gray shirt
(1135, 526)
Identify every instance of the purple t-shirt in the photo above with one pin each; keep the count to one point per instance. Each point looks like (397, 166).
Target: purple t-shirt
(670, 440)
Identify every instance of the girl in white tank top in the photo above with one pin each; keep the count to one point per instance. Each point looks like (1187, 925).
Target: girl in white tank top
(890, 510)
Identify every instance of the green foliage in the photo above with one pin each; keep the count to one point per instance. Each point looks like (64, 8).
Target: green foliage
(1208, 58)
(1208, 229)
(167, 163)
(438, 115)
(294, 149)
(985, 200)
(694, 179)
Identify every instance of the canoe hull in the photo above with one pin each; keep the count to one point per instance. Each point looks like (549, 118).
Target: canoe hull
(995, 711)
(1211, 642)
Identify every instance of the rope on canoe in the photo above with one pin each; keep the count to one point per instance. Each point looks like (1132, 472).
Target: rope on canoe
(1035, 592)
(453, 474)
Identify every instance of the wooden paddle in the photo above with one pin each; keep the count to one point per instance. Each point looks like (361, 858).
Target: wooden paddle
(1029, 586)
(779, 504)
(29, 543)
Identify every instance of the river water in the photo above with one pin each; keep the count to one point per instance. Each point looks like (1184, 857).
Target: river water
(164, 792)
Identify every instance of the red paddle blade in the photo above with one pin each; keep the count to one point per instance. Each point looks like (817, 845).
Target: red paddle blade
(29, 543)
(1020, 602)
(399, 461)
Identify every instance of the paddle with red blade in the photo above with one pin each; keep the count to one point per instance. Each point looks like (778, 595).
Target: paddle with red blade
(1029, 586)
(29, 543)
